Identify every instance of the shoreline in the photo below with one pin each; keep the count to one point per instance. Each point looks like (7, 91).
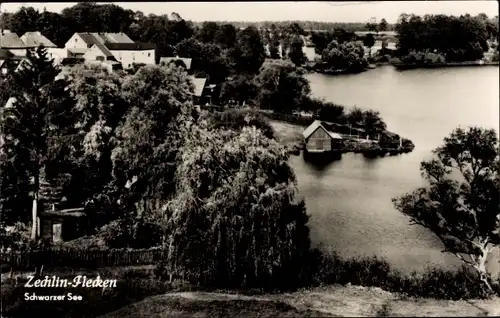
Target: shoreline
(405, 66)
(401, 66)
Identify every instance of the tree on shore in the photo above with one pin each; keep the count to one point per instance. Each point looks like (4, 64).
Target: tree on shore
(281, 86)
(461, 203)
(235, 224)
(296, 53)
(369, 41)
(382, 26)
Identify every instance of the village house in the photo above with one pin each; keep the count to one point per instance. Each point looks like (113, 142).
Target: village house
(200, 85)
(130, 54)
(35, 39)
(110, 47)
(319, 139)
(12, 42)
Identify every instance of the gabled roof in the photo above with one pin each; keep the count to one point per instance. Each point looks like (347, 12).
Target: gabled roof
(103, 49)
(187, 61)
(113, 37)
(103, 38)
(89, 38)
(10, 102)
(11, 41)
(35, 39)
(130, 46)
(199, 85)
(318, 124)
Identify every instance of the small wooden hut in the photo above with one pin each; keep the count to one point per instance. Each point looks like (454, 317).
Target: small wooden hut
(62, 225)
(319, 139)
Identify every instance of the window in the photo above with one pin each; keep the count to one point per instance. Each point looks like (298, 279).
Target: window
(76, 40)
(149, 54)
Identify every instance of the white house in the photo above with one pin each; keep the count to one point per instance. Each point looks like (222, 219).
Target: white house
(133, 53)
(109, 47)
(98, 52)
(35, 39)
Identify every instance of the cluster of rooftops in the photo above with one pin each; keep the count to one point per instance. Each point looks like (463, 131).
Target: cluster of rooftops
(110, 49)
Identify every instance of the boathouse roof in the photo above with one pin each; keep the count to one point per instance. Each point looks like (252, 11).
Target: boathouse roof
(317, 124)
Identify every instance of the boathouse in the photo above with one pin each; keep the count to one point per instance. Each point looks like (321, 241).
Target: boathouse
(319, 139)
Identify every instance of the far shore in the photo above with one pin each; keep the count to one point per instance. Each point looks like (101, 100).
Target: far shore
(401, 66)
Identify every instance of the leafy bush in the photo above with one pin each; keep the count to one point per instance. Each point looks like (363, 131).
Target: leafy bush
(133, 233)
(238, 118)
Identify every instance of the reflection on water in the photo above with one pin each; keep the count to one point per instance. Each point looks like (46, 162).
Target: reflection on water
(350, 199)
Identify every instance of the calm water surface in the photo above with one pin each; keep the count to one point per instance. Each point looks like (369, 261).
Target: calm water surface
(350, 200)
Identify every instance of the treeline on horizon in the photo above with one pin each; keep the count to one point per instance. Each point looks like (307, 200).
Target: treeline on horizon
(306, 25)
(463, 38)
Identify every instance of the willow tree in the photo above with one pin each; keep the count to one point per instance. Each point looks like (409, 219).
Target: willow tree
(461, 204)
(148, 140)
(234, 220)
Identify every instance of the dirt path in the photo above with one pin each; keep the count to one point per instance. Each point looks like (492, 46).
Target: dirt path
(350, 301)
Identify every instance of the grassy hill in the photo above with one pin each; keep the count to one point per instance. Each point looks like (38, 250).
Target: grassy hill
(331, 301)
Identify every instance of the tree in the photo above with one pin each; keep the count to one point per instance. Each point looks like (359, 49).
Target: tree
(24, 20)
(29, 123)
(79, 159)
(355, 117)
(373, 123)
(226, 36)
(55, 27)
(369, 41)
(382, 26)
(145, 155)
(281, 86)
(372, 27)
(348, 56)
(208, 32)
(461, 203)
(296, 53)
(235, 225)
(240, 89)
(330, 112)
(249, 54)
(208, 59)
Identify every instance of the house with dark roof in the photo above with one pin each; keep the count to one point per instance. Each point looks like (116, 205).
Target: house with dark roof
(319, 139)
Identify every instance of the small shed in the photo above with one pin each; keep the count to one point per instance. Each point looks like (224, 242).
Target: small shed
(62, 225)
(319, 139)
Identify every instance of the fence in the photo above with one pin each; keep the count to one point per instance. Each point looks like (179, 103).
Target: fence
(83, 258)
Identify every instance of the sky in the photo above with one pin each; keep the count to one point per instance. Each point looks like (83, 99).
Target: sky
(293, 10)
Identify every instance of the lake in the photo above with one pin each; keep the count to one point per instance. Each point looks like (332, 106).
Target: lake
(350, 200)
